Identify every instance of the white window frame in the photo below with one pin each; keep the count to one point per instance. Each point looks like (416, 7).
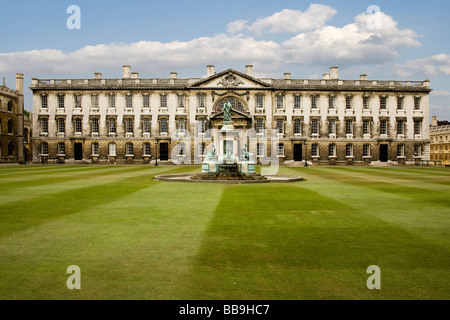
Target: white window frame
(94, 148)
(112, 149)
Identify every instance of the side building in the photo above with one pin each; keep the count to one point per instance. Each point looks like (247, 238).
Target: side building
(12, 122)
(440, 141)
(325, 121)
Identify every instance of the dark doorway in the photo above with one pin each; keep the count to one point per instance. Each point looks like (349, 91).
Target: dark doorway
(298, 154)
(78, 151)
(164, 151)
(383, 152)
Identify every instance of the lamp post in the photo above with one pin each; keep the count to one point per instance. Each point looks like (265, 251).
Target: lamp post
(306, 153)
(156, 155)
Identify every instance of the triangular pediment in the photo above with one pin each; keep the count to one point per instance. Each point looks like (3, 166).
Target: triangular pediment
(230, 79)
(235, 114)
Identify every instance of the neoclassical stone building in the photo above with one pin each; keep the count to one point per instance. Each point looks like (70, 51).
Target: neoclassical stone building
(325, 121)
(440, 141)
(12, 122)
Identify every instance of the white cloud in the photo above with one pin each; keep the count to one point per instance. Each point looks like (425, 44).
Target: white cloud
(441, 93)
(293, 21)
(351, 44)
(429, 66)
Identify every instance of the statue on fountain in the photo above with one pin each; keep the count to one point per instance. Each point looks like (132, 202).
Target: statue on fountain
(245, 155)
(227, 112)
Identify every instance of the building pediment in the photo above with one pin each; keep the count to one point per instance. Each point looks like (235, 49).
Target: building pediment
(230, 79)
(235, 114)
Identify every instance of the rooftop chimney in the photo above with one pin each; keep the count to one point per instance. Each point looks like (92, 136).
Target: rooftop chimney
(173, 75)
(97, 75)
(326, 76)
(210, 71)
(363, 77)
(126, 72)
(134, 75)
(19, 82)
(434, 122)
(249, 70)
(334, 72)
(287, 76)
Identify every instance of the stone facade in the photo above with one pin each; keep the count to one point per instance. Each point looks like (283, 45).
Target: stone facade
(440, 142)
(325, 121)
(12, 122)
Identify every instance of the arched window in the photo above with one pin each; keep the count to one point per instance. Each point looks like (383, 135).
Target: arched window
(236, 104)
(10, 126)
(10, 148)
(10, 106)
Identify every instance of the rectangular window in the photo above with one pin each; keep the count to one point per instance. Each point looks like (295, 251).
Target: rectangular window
(313, 102)
(163, 101)
(400, 150)
(365, 102)
(297, 102)
(95, 125)
(349, 127)
(260, 149)
(417, 101)
(181, 149)
(61, 125)
(349, 150)
(112, 125)
(400, 127)
(280, 150)
(399, 103)
(315, 126)
(201, 100)
(181, 101)
(331, 102)
(129, 148)
(146, 149)
(163, 126)
(315, 150)
(280, 126)
(60, 101)
(61, 148)
(348, 102)
(383, 126)
(146, 126)
(332, 150)
(129, 125)
(259, 101)
(78, 125)
(77, 99)
(181, 126)
(417, 150)
(201, 125)
(44, 148)
(383, 103)
(44, 104)
(259, 126)
(366, 150)
(94, 101)
(112, 149)
(146, 101)
(280, 101)
(417, 127)
(366, 126)
(297, 126)
(332, 126)
(111, 101)
(201, 148)
(95, 148)
(129, 101)
(44, 125)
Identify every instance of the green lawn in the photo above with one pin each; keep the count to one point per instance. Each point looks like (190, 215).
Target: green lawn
(136, 238)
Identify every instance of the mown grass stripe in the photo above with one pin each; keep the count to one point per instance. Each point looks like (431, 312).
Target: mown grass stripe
(289, 242)
(136, 246)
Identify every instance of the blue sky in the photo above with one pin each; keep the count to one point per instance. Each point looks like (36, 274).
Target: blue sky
(157, 37)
